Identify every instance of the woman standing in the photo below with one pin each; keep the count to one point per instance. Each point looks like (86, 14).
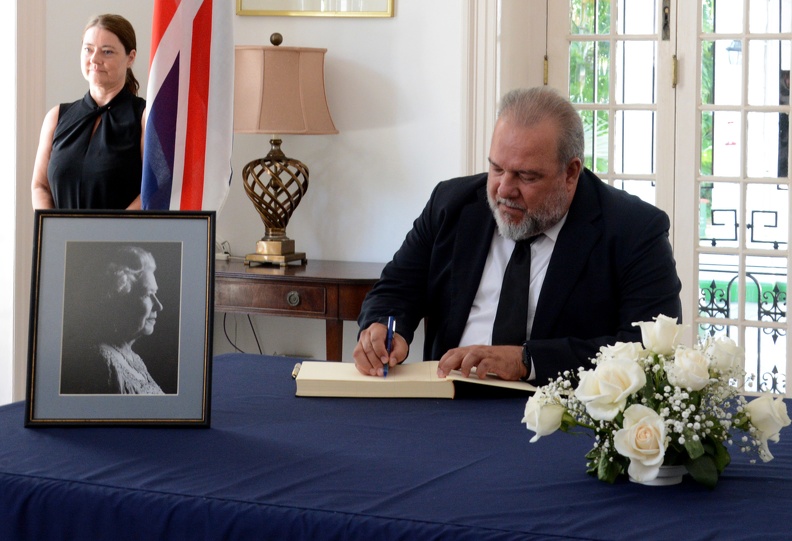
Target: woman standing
(90, 151)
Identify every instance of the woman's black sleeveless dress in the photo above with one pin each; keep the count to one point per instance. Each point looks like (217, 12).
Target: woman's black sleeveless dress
(103, 170)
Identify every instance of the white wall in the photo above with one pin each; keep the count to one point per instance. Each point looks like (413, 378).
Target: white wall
(395, 89)
(7, 189)
(65, 20)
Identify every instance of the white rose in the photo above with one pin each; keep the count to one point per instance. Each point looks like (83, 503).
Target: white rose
(542, 415)
(623, 350)
(643, 441)
(768, 416)
(605, 389)
(690, 369)
(725, 355)
(661, 335)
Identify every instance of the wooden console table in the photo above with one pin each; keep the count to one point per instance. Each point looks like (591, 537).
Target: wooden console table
(329, 290)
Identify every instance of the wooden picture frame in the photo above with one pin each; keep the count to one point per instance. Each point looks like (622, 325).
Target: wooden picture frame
(121, 318)
(316, 8)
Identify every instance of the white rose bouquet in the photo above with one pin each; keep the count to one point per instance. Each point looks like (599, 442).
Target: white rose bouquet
(658, 404)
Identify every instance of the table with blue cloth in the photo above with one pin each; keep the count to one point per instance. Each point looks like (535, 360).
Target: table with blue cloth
(277, 466)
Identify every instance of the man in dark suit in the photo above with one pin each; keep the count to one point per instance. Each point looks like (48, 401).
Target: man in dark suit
(601, 261)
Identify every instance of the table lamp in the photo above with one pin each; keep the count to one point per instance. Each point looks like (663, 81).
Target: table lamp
(278, 90)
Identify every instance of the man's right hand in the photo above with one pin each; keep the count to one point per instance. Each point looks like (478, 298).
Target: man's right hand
(370, 353)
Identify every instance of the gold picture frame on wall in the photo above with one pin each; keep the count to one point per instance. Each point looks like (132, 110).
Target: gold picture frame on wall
(316, 8)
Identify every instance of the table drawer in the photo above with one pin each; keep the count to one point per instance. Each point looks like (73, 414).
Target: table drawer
(252, 297)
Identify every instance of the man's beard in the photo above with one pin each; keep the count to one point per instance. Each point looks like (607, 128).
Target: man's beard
(533, 222)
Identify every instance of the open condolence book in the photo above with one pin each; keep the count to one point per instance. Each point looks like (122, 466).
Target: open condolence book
(410, 380)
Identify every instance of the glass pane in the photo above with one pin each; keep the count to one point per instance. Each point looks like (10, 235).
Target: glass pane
(595, 127)
(707, 330)
(728, 71)
(767, 80)
(767, 215)
(726, 142)
(645, 189)
(721, 72)
(707, 72)
(707, 138)
(783, 143)
(765, 354)
(637, 17)
(719, 204)
(589, 17)
(707, 17)
(763, 145)
(765, 289)
(718, 286)
(722, 16)
(589, 71)
(635, 63)
(633, 145)
(771, 16)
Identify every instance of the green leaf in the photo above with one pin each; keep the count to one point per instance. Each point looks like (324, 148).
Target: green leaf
(567, 421)
(722, 457)
(719, 453)
(741, 421)
(703, 470)
(694, 448)
(601, 465)
(608, 470)
(649, 389)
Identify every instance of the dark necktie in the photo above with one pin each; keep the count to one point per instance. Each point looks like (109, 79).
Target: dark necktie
(511, 319)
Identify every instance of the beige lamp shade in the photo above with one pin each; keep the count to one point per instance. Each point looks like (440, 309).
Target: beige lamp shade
(280, 90)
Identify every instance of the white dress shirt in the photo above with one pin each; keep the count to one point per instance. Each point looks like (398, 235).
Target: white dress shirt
(478, 329)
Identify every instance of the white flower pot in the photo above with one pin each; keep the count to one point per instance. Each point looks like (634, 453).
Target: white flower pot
(668, 475)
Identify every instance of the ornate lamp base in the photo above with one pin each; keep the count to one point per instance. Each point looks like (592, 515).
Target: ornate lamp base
(279, 251)
(276, 185)
(281, 260)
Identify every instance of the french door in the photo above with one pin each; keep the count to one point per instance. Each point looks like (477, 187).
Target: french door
(686, 104)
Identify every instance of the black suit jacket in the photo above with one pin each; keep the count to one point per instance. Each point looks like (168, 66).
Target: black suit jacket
(612, 265)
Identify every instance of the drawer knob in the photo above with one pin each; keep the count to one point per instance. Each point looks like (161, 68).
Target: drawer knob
(293, 298)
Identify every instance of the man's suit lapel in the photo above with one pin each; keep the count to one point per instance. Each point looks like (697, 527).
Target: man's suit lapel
(471, 247)
(570, 255)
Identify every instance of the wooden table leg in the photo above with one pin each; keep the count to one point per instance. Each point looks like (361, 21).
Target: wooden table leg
(334, 330)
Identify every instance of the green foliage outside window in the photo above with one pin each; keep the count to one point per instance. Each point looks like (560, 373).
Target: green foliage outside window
(707, 86)
(589, 75)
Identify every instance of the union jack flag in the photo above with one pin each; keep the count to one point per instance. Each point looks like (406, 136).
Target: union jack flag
(189, 124)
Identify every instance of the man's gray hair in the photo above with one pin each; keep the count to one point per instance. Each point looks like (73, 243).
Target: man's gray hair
(528, 107)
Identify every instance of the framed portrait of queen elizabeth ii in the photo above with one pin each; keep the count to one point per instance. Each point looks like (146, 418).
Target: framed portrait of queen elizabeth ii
(121, 318)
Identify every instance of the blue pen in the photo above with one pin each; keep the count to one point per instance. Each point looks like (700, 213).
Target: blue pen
(389, 343)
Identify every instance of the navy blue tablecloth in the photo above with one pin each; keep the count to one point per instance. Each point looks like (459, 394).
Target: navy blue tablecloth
(274, 466)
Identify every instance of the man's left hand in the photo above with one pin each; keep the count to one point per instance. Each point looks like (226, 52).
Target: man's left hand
(503, 361)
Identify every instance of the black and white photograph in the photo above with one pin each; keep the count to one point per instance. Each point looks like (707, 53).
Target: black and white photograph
(121, 318)
(122, 307)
